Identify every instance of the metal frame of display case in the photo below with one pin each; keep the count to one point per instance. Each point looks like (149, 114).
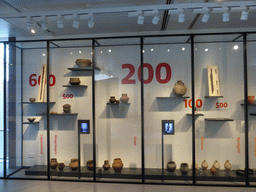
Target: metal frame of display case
(94, 68)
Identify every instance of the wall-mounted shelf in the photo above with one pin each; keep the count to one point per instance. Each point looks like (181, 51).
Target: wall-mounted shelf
(254, 104)
(84, 69)
(74, 86)
(118, 103)
(219, 119)
(38, 103)
(183, 97)
(253, 114)
(196, 114)
(213, 96)
(58, 114)
(35, 122)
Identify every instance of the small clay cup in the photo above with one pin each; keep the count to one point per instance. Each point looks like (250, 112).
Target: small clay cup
(250, 99)
(32, 100)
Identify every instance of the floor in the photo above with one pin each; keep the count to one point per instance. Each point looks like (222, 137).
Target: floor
(60, 186)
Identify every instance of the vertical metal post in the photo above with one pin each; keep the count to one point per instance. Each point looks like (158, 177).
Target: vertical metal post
(142, 112)
(79, 154)
(162, 156)
(22, 107)
(48, 109)
(193, 108)
(5, 111)
(246, 108)
(93, 110)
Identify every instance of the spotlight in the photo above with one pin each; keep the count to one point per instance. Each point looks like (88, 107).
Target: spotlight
(91, 21)
(225, 16)
(76, 22)
(244, 15)
(44, 24)
(60, 22)
(236, 47)
(181, 18)
(156, 19)
(206, 17)
(141, 19)
(31, 26)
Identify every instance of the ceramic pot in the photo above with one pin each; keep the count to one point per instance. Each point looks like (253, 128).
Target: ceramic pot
(213, 170)
(61, 166)
(124, 98)
(74, 81)
(171, 166)
(227, 165)
(31, 120)
(66, 108)
(32, 100)
(83, 62)
(74, 164)
(204, 165)
(89, 164)
(112, 99)
(216, 164)
(250, 99)
(179, 88)
(196, 166)
(53, 163)
(117, 165)
(106, 165)
(184, 168)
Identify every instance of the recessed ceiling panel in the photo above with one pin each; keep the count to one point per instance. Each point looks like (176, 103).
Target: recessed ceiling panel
(118, 41)
(166, 40)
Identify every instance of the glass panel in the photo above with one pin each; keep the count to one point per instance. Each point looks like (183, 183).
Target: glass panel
(71, 112)
(30, 140)
(2, 110)
(118, 111)
(13, 110)
(219, 93)
(251, 69)
(167, 94)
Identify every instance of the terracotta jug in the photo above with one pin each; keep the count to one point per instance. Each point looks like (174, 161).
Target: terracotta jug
(61, 166)
(184, 168)
(171, 166)
(204, 165)
(112, 99)
(124, 98)
(66, 108)
(74, 164)
(53, 163)
(89, 164)
(250, 99)
(106, 165)
(117, 165)
(179, 88)
(213, 170)
(227, 165)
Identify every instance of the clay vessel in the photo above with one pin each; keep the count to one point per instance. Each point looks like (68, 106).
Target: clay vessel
(124, 98)
(106, 165)
(179, 88)
(112, 99)
(241, 172)
(204, 165)
(227, 165)
(250, 99)
(74, 81)
(171, 166)
(184, 168)
(31, 120)
(216, 164)
(32, 100)
(213, 170)
(53, 163)
(89, 164)
(61, 166)
(83, 62)
(66, 108)
(117, 165)
(74, 164)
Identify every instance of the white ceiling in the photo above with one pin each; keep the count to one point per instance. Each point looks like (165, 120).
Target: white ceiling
(108, 22)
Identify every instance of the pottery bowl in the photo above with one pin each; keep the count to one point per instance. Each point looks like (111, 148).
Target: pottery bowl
(83, 62)
(31, 120)
(250, 99)
(32, 100)
(74, 81)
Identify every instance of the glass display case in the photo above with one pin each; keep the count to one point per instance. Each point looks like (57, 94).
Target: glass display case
(156, 109)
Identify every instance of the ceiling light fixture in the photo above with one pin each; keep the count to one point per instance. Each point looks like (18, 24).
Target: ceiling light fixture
(244, 15)
(76, 22)
(141, 18)
(156, 18)
(91, 21)
(31, 26)
(44, 23)
(181, 16)
(60, 22)
(225, 17)
(206, 15)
